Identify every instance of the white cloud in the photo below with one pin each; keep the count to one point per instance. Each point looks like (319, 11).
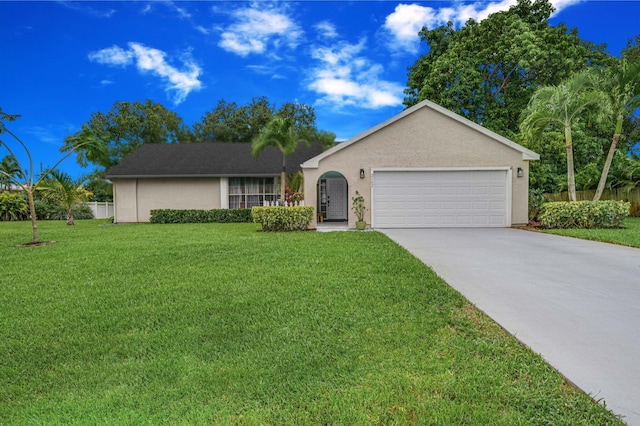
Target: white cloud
(254, 31)
(326, 29)
(182, 13)
(82, 6)
(266, 70)
(559, 5)
(52, 134)
(114, 55)
(344, 77)
(479, 11)
(202, 29)
(407, 20)
(149, 60)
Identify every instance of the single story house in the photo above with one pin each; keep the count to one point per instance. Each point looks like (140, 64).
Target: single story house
(425, 167)
(198, 176)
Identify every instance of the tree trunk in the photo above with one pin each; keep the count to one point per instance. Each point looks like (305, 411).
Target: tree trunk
(70, 217)
(283, 178)
(571, 176)
(607, 163)
(606, 167)
(32, 211)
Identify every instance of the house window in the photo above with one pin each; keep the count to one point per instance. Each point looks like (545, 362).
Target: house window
(250, 192)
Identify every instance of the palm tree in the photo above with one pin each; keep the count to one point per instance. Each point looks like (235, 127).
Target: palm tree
(621, 85)
(280, 133)
(28, 181)
(561, 106)
(61, 188)
(9, 169)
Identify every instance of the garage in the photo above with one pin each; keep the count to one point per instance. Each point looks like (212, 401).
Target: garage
(437, 198)
(427, 167)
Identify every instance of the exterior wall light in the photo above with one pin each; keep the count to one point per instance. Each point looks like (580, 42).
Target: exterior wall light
(520, 172)
(361, 173)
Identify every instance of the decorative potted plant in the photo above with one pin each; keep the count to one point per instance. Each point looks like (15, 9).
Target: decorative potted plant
(359, 208)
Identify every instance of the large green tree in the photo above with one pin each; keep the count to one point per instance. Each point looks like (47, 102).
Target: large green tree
(123, 129)
(560, 108)
(229, 122)
(487, 71)
(282, 134)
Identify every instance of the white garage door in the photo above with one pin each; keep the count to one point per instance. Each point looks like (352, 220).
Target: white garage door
(441, 198)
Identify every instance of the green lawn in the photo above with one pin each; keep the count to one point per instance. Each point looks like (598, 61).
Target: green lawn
(628, 236)
(220, 324)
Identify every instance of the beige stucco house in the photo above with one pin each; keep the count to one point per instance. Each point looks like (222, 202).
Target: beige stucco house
(425, 167)
(200, 176)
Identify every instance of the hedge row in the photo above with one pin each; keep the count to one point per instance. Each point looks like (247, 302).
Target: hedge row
(585, 214)
(201, 216)
(280, 218)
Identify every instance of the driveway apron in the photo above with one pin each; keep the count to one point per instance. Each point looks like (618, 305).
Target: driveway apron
(575, 302)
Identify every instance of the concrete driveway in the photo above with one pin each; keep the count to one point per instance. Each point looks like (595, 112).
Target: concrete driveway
(575, 302)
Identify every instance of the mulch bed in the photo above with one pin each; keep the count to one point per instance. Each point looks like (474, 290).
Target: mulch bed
(32, 244)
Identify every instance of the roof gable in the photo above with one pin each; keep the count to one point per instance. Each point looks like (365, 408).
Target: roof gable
(208, 160)
(526, 153)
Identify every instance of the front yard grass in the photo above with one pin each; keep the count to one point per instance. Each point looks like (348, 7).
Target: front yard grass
(220, 324)
(627, 236)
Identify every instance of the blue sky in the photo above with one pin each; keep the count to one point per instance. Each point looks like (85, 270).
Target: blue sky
(62, 61)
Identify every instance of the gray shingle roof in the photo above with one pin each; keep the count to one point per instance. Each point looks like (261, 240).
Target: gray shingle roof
(208, 159)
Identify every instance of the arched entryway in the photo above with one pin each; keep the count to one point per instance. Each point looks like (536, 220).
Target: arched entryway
(332, 197)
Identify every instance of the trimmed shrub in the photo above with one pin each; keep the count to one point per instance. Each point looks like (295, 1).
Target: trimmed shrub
(621, 194)
(584, 214)
(280, 218)
(201, 216)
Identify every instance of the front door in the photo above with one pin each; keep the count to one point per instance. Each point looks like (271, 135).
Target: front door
(336, 199)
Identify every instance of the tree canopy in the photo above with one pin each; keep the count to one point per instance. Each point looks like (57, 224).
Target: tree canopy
(123, 129)
(487, 71)
(128, 125)
(229, 122)
(632, 51)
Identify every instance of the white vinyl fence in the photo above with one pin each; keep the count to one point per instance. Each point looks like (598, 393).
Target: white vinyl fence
(101, 210)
